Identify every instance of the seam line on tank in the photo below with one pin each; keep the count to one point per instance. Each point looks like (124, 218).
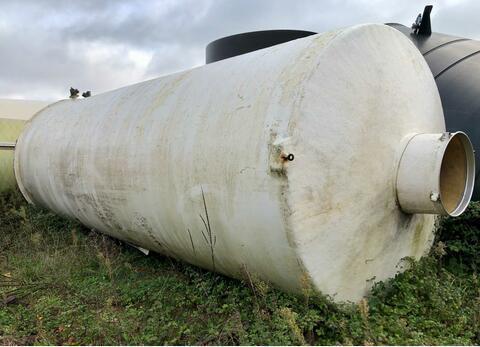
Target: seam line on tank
(443, 45)
(455, 63)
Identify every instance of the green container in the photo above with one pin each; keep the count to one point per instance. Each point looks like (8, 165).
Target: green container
(13, 116)
(9, 131)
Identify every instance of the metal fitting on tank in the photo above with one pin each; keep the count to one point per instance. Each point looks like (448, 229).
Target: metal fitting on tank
(436, 174)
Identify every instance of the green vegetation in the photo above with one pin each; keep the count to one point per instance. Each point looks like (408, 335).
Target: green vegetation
(61, 283)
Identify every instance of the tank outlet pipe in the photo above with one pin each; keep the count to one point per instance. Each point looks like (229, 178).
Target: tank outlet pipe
(436, 174)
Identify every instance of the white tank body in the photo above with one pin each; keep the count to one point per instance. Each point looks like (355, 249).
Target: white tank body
(194, 165)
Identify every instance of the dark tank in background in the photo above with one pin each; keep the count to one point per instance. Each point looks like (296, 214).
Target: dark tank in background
(455, 65)
(231, 46)
(454, 62)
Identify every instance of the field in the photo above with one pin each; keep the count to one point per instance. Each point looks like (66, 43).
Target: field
(61, 283)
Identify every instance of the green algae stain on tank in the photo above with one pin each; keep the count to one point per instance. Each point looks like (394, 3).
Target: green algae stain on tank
(421, 235)
(10, 129)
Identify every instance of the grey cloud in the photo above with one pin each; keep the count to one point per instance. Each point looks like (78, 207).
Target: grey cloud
(49, 45)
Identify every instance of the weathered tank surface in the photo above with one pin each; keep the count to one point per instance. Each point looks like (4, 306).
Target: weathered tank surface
(283, 162)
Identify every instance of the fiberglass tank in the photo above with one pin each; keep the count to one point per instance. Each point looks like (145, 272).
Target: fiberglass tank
(322, 160)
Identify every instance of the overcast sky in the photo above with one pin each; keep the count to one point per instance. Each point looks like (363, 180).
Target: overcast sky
(46, 46)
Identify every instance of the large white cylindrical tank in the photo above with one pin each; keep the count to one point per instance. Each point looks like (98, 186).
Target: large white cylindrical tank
(13, 115)
(282, 162)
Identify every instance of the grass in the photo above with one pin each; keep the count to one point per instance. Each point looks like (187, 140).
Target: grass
(61, 283)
